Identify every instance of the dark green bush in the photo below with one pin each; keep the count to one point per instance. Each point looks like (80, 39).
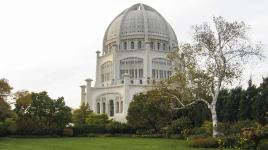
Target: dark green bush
(8, 126)
(262, 132)
(68, 132)
(97, 119)
(118, 128)
(86, 129)
(236, 127)
(237, 142)
(228, 141)
(146, 132)
(179, 125)
(201, 142)
(150, 135)
(263, 145)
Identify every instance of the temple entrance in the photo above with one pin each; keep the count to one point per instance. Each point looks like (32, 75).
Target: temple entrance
(111, 102)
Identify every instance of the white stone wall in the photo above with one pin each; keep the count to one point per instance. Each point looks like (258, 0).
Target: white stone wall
(152, 29)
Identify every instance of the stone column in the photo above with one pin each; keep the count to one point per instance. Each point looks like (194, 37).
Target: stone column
(83, 94)
(147, 72)
(98, 74)
(126, 92)
(88, 94)
(114, 67)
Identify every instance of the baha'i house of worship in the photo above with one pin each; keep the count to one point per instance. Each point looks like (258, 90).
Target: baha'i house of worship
(134, 57)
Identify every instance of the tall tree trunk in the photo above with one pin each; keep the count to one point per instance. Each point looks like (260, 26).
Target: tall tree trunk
(213, 110)
(214, 119)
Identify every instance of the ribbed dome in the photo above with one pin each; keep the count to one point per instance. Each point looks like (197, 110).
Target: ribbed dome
(139, 21)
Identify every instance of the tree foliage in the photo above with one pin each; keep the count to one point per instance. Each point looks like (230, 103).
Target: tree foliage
(238, 104)
(39, 114)
(7, 116)
(79, 115)
(214, 58)
(149, 110)
(97, 119)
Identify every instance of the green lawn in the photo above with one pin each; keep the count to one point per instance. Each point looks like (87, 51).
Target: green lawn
(99, 143)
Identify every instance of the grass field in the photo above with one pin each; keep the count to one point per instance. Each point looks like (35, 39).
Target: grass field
(99, 143)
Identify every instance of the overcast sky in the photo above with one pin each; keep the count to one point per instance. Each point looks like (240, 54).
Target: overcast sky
(50, 45)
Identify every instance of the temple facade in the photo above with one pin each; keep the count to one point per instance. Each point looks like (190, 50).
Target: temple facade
(133, 58)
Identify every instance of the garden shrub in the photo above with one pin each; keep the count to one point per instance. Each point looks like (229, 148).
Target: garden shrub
(114, 127)
(68, 132)
(179, 126)
(8, 126)
(237, 142)
(236, 127)
(146, 131)
(199, 132)
(228, 141)
(263, 145)
(86, 129)
(97, 119)
(261, 132)
(201, 142)
(205, 130)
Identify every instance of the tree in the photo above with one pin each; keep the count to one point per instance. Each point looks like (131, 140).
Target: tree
(198, 113)
(231, 107)
(260, 104)
(245, 105)
(5, 90)
(97, 119)
(79, 115)
(214, 59)
(39, 114)
(7, 116)
(149, 110)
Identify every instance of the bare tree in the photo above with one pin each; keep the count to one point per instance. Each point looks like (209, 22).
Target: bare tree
(215, 58)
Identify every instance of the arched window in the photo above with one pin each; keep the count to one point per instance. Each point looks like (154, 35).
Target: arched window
(103, 107)
(133, 66)
(132, 45)
(139, 45)
(117, 107)
(125, 45)
(111, 103)
(98, 108)
(158, 46)
(121, 108)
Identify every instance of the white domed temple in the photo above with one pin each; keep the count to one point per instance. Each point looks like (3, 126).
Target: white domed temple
(134, 57)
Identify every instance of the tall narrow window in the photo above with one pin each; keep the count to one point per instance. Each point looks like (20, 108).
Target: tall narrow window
(140, 73)
(152, 45)
(111, 108)
(98, 108)
(121, 108)
(164, 46)
(158, 46)
(103, 108)
(125, 45)
(153, 73)
(132, 45)
(139, 45)
(117, 107)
